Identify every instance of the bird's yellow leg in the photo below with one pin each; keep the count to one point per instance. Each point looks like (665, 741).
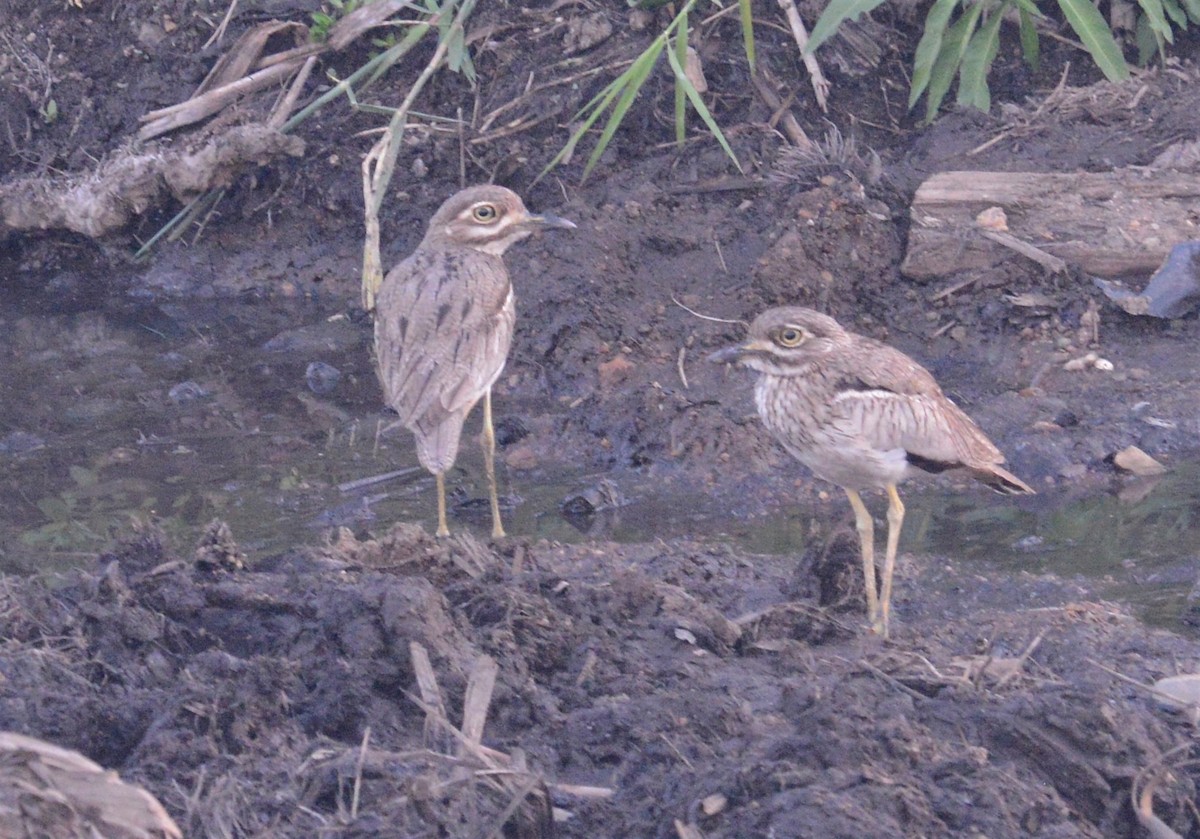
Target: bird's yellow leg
(895, 517)
(489, 463)
(441, 494)
(866, 541)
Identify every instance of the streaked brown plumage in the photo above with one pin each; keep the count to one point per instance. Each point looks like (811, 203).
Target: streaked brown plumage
(862, 415)
(443, 325)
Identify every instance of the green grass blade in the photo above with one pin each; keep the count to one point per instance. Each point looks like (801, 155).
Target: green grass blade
(1030, 47)
(1176, 13)
(949, 59)
(1148, 43)
(395, 52)
(929, 47)
(1093, 31)
(747, 15)
(694, 97)
(830, 19)
(594, 109)
(643, 66)
(1157, 19)
(679, 50)
(977, 63)
(1030, 8)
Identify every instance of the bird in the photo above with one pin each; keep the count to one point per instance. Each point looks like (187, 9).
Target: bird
(444, 320)
(863, 415)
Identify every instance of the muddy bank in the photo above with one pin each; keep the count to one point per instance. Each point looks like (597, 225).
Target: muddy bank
(677, 683)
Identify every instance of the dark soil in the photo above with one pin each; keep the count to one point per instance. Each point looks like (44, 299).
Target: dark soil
(710, 691)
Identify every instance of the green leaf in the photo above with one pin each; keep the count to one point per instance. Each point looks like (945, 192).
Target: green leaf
(977, 63)
(1147, 42)
(1093, 31)
(1030, 48)
(83, 476)
(1157, 19)
(1176, 13)
(637, 75)
(747, 15)
(830, 19)
(680, 53)
(1193, 9)
(55, 509)
(1031, 8)
(693, 96)
(929, 47)
(954, 44)
(455, 49)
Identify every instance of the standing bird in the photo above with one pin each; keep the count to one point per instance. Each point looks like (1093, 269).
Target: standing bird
(443, 325)
(862, 415)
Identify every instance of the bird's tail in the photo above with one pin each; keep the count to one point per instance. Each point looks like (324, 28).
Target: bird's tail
(1002, 481)
(437, 447)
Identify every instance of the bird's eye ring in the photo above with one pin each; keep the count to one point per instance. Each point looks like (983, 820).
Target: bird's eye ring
(789, 336)
(484, 213)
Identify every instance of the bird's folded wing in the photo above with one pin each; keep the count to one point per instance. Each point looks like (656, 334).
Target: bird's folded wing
(881, 367)
(931, 427)
(442, 335)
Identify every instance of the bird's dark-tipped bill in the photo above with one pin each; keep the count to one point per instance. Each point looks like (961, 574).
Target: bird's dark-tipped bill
(739, 351)
(726, 355)
(547, 220)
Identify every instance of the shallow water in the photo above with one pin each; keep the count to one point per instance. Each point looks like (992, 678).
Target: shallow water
(183, 413)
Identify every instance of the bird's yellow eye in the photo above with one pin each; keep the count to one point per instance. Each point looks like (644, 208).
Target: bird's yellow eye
(485, 213)
(790, 336)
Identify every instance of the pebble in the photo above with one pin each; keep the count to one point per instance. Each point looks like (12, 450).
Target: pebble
(185, 392)
(322, 378)
(20, 442)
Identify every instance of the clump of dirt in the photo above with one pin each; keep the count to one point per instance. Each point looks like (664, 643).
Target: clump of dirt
(637, 688)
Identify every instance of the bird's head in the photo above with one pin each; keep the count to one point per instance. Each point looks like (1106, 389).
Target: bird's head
(486, 218)
(783, 340)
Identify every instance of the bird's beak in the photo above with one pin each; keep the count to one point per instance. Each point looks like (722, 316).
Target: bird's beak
(547, 220)
(739, 351)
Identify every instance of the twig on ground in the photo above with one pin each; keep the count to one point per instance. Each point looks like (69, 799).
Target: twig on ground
(694, 313)
(763, 83)
(371, 480)
(1019, 664)
(819, 82)
(1052, 263)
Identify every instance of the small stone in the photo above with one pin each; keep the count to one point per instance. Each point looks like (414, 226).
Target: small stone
(19, 442)
(639, 19)
(1137, 462)
(614, 372)
(585, 32)
(521, 458)
(993, 218)
(322, 378)
(1073, 471)
(185, 392)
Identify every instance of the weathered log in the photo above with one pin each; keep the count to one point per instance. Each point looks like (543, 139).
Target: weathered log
(1109, 224)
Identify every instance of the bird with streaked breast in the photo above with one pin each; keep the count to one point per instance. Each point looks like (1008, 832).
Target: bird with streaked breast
(444, 321)
(862, 415)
